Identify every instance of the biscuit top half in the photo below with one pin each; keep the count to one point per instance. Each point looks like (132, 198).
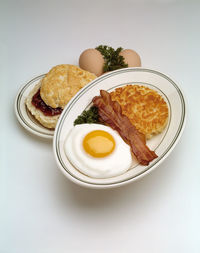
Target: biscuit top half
(62, 82)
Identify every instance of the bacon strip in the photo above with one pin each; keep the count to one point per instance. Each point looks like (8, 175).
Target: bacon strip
(111, 113)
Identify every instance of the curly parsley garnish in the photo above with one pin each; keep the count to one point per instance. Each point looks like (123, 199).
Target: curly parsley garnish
(89, 116)
(112, 58)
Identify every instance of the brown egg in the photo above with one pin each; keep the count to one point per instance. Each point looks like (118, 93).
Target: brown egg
(131, 58)
(92, 61)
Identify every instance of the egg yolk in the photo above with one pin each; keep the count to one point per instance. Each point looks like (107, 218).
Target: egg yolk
(99, 143)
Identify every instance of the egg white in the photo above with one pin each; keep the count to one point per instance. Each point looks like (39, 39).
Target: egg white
(118, 162)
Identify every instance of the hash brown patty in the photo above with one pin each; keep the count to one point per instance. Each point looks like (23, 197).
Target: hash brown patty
(145, 107)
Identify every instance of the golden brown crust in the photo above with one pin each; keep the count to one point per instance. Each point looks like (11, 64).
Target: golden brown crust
(62, 82)
(146, 109)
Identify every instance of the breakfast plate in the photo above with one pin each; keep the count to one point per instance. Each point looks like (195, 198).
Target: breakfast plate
(23, 115)
(162, 143)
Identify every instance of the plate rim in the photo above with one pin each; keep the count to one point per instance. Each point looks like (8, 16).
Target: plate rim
(149, 168)
(18, 112)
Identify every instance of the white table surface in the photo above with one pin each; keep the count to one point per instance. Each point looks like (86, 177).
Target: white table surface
(41, 210)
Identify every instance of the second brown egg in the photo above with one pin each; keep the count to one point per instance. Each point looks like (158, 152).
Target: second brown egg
(131, 58)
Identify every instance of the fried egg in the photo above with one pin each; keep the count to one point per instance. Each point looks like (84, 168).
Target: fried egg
(97, 151)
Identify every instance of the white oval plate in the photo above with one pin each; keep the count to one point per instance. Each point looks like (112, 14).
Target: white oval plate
(24, 116)
(162, 143)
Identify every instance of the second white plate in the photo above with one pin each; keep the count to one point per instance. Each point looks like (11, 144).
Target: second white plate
(163, 143)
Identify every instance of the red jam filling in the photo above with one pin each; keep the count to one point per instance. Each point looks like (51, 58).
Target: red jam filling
(46, 109)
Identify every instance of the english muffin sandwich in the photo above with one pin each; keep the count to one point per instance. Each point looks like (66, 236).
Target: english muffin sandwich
(49, 97)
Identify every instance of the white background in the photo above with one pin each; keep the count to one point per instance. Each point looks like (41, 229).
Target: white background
(40, 210)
